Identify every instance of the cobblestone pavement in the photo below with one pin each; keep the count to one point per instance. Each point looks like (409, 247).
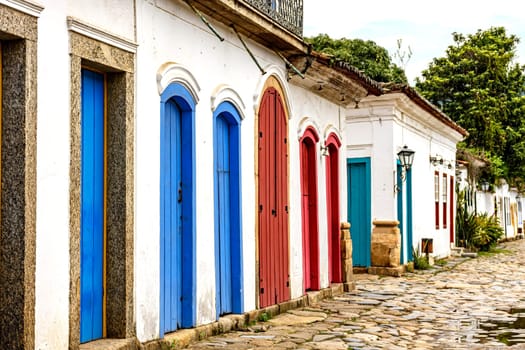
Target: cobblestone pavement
(467, 304)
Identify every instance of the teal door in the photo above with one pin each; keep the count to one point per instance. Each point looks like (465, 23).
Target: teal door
(92, 207)
(404, 213)
(359, 209)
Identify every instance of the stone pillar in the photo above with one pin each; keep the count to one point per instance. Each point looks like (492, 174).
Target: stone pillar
(386, 249)
(346, 258)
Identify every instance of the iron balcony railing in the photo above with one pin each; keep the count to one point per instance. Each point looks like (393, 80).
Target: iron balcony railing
(288, 13)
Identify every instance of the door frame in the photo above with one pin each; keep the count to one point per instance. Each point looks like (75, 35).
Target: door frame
(333, 145)
(311, 235)
(230, 113)
(185, 101)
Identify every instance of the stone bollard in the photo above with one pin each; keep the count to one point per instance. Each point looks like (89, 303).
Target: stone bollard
(346, 258)
(386, 249)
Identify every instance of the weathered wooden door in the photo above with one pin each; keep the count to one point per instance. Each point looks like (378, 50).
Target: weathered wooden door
(332, 206)
(224, 215)
(274, 284)
(310, 229)
(92, 207)
(359, 209)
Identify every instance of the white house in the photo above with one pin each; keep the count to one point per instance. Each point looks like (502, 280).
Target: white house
(422, 198)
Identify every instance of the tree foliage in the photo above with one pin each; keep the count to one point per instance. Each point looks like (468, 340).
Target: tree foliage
(480, 86)
(367, 56)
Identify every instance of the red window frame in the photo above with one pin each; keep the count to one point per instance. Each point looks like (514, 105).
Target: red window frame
(436, 198)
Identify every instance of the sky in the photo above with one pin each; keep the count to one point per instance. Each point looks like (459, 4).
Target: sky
(426, 26)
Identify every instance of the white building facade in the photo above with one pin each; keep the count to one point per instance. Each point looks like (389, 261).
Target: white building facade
(422, 199)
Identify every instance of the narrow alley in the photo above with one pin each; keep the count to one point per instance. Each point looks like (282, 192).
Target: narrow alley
(468, 303)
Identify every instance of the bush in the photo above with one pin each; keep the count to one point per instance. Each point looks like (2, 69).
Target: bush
(420, 260)
(477, 232)
(488, 234)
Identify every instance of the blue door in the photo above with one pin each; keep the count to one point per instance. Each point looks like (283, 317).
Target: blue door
(171, 217)
(177, 210)
(224, 205)
(92, 207)
(359, 209)
(228, 222)
(410, 243)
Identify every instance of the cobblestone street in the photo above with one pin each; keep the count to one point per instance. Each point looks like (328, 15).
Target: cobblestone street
(466, 304)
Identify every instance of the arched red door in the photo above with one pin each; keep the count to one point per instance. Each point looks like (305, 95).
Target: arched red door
(310, 227)
(332, 204)
(274, 285)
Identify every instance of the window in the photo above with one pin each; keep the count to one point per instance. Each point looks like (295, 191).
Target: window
(436, 198)
(444, 196)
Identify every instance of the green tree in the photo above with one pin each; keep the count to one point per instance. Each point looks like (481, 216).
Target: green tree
(366, 56)
(480, 86)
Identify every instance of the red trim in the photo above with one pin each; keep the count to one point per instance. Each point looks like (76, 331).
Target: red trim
(309, 206)
(332, 206)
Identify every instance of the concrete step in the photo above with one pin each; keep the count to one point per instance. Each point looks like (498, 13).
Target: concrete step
(456, 251)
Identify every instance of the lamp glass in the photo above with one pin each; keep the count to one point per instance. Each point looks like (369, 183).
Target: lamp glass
(406, 157)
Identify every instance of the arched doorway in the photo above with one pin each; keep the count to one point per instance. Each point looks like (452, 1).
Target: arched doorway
(177, 205)
(309, 205)
(228, 217)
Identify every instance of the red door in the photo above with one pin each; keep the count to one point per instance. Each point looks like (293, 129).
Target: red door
(452, 206)
(274, 285)
(332, 205)
(309, 210)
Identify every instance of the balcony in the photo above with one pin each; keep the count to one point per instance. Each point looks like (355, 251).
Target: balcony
(288, 13)
(276, 24)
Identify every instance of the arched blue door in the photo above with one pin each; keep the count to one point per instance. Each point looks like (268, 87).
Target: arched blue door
(177, 210)
(224, 215)
(92, 207)
(228, 237)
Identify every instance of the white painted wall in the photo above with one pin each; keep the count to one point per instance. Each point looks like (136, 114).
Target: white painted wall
(52, 206)
(170, 32)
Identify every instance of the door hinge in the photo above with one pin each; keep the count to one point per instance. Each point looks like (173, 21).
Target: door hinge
(262, 290)
(260, 207)
(286, 208)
